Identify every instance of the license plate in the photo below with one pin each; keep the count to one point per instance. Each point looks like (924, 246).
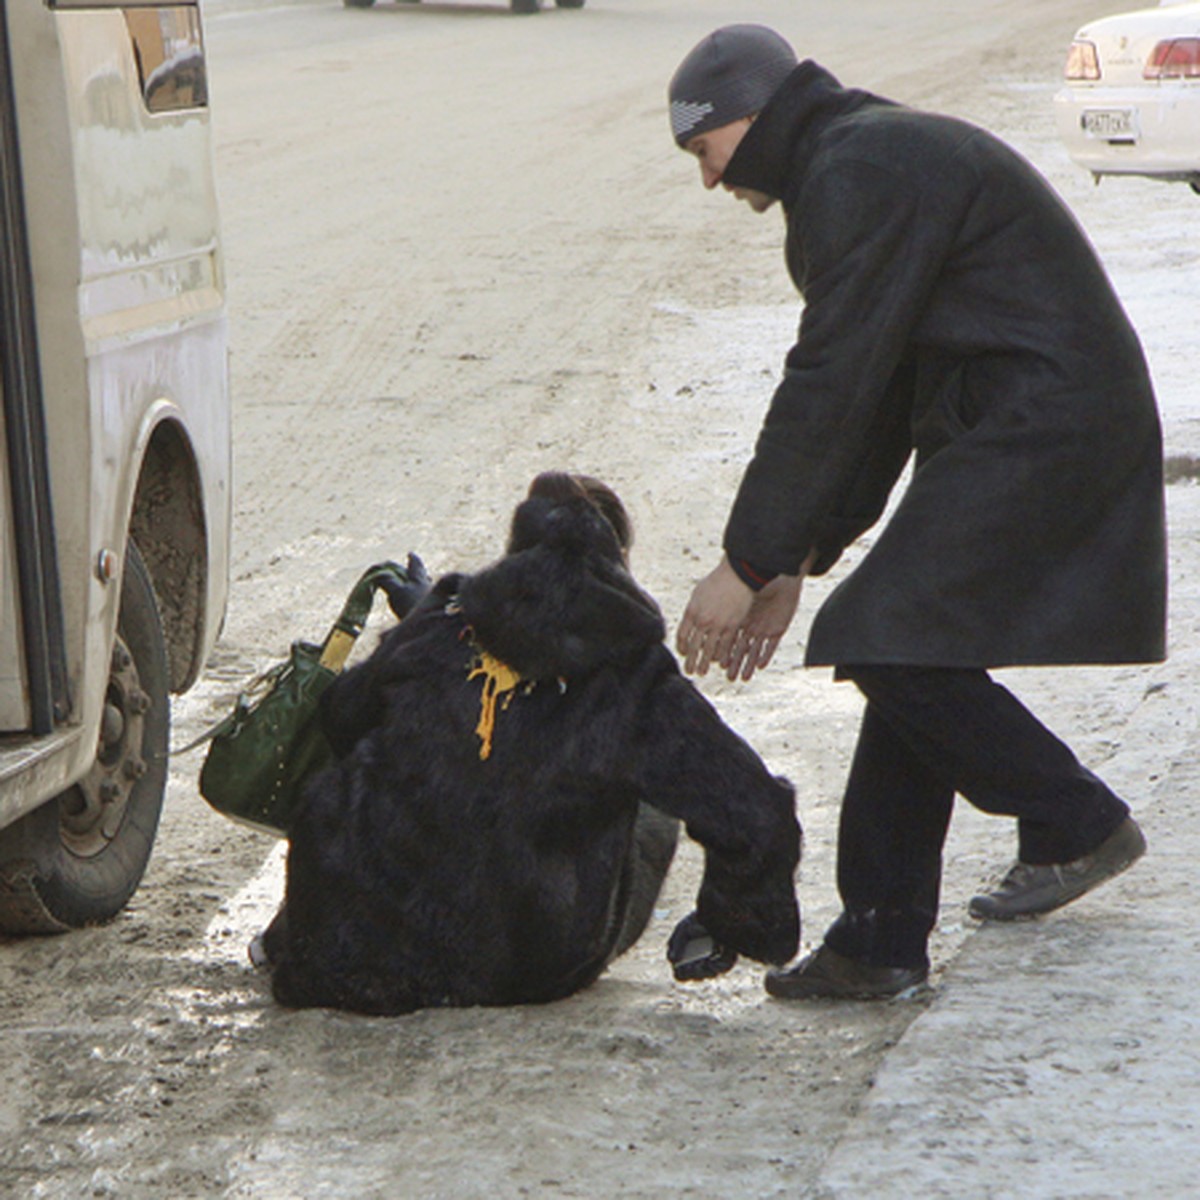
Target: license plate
(1110, 124)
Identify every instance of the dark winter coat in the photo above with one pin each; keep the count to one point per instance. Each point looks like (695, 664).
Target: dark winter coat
(952, 307)
(446, 859)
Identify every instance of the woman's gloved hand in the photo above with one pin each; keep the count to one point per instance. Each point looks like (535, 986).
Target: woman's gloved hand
(694, 955)
(404, 597)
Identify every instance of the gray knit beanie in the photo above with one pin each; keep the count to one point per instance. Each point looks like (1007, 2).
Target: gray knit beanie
(732, 73)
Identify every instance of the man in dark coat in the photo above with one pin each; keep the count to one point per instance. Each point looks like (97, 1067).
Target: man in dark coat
(954, 313)
(486, 834)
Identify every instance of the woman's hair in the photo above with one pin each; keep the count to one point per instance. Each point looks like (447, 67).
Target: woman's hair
(560, 486)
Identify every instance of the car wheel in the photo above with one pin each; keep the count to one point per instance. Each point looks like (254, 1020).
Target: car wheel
(526, 6)
(569, 3)
(358, 3)
(78, 858)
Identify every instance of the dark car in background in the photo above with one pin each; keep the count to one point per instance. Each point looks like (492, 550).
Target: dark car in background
(519, 6)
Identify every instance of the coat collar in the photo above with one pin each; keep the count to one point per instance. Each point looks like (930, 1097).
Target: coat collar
(774, 154)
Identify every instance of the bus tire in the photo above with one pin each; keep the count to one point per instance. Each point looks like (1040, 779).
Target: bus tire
(569, 3)
(358, 3)
(78, 858)
(526, 6)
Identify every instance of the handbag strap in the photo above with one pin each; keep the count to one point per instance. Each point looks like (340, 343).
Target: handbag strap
(346, 629)
(334, 650)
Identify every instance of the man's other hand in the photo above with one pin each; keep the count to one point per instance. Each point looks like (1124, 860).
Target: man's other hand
(727, 623)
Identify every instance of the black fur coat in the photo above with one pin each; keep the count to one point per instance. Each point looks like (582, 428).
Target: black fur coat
(470, 844)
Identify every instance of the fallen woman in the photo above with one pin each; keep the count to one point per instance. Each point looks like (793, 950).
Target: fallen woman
(512, 763)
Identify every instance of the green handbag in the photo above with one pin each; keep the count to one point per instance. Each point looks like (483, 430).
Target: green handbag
(261, 755)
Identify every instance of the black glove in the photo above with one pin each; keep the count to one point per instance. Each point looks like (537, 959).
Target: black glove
(404, 597)
(694, 955)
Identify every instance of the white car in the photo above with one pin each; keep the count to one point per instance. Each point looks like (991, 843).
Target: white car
(1131, 104)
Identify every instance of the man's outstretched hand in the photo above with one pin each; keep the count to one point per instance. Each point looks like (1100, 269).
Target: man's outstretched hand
(729, 624)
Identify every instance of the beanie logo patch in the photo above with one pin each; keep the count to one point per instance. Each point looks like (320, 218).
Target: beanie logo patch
(686, 115)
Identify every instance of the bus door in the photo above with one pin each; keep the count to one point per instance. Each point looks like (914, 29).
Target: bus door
(32, 655)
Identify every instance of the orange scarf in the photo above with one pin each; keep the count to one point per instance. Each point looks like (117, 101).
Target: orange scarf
(499, 680)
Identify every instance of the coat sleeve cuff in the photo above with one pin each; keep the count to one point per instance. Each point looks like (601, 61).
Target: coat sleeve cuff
(752, 576)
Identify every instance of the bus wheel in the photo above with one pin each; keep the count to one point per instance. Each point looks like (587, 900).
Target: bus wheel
(77, 859)
(526, 6)
(569, 3)
(358, 3)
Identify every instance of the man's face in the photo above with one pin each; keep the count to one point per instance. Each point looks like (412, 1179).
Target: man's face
(714, 149)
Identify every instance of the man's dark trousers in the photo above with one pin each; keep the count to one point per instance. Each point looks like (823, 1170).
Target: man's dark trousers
(928, 733)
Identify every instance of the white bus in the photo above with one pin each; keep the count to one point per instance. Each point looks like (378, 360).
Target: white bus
(115, 444)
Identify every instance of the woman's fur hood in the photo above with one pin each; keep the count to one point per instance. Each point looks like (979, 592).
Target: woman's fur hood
(561, 602)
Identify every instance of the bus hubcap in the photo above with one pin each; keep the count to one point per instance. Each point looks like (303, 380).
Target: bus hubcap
(90, 813)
